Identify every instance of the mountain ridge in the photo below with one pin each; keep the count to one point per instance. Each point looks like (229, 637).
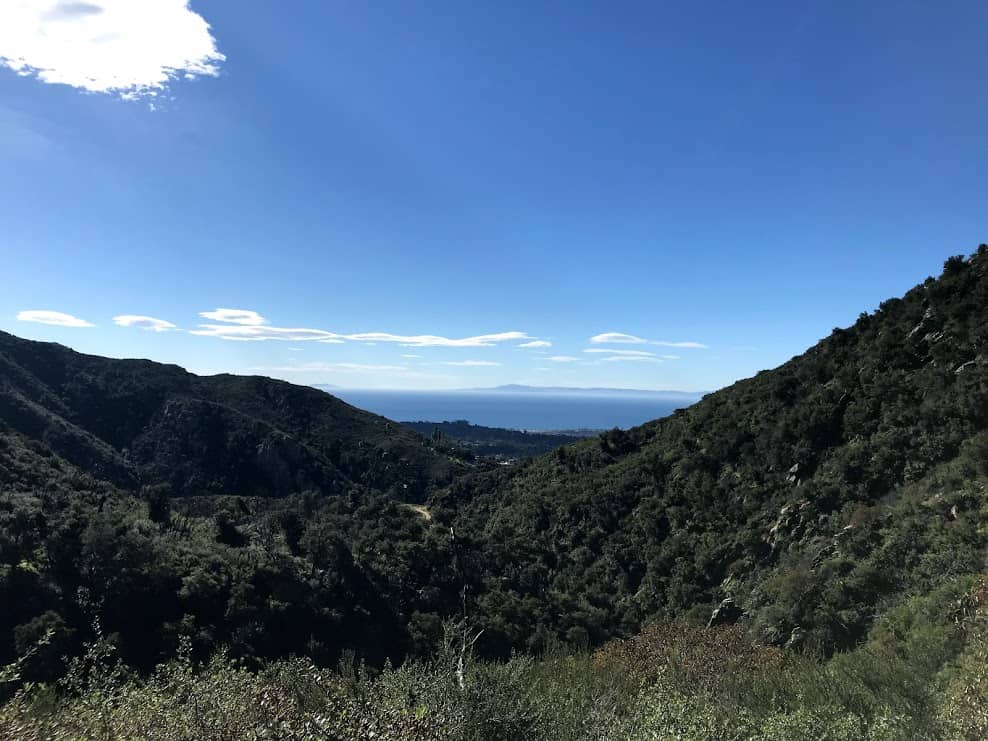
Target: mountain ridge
(804, 504)
(830, 457)
(136, 422)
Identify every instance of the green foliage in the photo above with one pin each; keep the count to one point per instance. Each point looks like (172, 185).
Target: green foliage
(216, 527)
(671, 682)
(814, 495)
(139, 423)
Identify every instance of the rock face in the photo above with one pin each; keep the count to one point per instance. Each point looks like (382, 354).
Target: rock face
(792, 477)
(791, 525)
(796, 638)
(727, 612)
(925, 325)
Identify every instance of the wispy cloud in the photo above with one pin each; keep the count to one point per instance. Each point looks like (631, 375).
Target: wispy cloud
(620, 338)
(148, 323)
(562, 359)
(411, 355)
(131, 49)
(663, 343)
(246, 325)
(473, 363)
(637, 353)
(617, 338)
(631, 359)
(429, 340)
(258, 333)
(54, 318)
(536, 343)
(235, 316)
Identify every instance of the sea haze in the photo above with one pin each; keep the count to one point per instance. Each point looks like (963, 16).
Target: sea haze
(560, 409)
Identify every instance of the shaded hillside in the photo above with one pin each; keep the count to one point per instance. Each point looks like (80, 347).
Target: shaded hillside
(264, 577)
(810, 497)
(134, 422)
(805, 503)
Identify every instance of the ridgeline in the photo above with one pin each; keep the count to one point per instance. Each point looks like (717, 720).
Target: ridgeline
(832, 507)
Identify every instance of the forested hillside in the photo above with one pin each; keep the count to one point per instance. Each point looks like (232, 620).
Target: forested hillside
(834, 506)
(134, 422)
(237, 511)
(811, 497)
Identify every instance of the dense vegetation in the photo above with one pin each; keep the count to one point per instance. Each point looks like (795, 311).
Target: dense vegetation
(134, 422)
(918, 677)
(493, 442)
(827, 519)
(812, 496)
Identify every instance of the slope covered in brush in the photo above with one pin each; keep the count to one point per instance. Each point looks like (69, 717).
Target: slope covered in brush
(134, 422)
(803, 503)
(810, 497)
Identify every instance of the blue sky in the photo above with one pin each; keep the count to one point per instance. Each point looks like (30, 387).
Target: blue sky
(423, 187)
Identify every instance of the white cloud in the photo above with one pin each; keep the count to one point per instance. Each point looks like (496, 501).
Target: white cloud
(247, 325)
(637, 353)
(473, 363)
(125, 47)
(148, 323)
(235, 316)
(55, 318)
(536, 343)
(617, 337)
(562, 359)
(631, 359)
(409, 355)
(429, 340)
(698, 345)
(258, 333)
(620, 338)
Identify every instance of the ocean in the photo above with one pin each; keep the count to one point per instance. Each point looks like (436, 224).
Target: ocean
(518, 410)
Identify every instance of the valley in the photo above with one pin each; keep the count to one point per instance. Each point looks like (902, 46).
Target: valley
(240, 534)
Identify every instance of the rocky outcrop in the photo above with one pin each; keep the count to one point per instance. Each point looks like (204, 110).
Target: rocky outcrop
(727, 612)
